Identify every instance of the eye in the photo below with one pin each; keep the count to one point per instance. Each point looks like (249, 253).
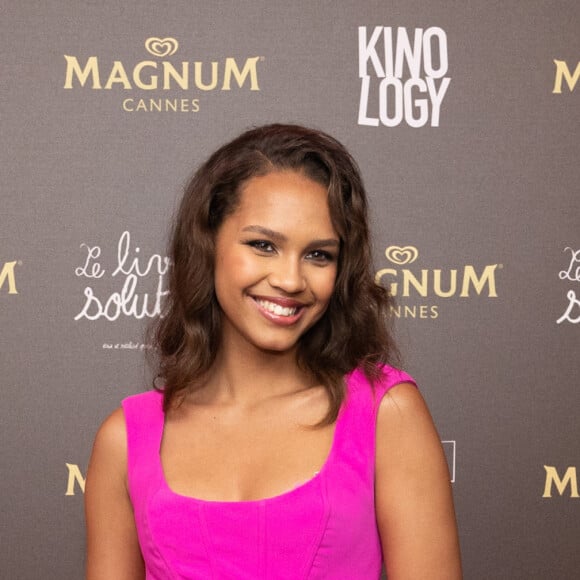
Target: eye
(320, 256)
(261, 246)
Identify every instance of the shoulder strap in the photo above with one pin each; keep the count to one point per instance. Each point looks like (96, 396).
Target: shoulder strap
(355, 435)
(144, 419)
(359, 385)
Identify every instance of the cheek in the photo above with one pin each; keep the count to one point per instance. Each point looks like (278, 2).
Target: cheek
(235, 269)
(324, 283)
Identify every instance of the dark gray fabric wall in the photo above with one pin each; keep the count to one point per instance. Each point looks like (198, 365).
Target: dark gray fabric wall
(464, 119)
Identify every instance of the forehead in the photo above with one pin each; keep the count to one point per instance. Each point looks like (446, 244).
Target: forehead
(284, 200)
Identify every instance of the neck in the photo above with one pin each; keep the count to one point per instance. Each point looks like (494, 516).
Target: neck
(248, 375)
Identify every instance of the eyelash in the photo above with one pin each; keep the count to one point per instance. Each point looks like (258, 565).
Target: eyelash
(323, 256)
(266, 247)
(260, 246)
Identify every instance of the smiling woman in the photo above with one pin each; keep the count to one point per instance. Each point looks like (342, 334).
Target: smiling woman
(282, 443)
(273, 276)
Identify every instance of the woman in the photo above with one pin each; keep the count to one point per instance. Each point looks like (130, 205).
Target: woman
(282, 444)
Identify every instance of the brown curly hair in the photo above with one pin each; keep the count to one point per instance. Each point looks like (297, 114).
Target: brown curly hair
(353, 332)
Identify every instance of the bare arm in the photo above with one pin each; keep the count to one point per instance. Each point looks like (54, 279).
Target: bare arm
(112, 547)
(414, 504)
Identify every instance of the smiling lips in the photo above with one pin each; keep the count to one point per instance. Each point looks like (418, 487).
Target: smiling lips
(280, 310)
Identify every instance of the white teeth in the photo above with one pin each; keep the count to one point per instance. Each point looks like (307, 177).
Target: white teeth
(276, 308)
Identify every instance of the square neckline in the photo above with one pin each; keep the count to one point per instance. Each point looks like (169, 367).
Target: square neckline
(298, 488)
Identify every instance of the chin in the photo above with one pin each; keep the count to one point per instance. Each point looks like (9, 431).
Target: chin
(276, 346)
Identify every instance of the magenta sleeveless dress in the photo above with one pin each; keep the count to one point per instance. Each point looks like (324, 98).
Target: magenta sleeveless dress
(322, 529)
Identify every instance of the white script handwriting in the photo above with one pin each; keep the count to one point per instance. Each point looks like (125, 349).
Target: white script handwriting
(572, 274)
(128, 301)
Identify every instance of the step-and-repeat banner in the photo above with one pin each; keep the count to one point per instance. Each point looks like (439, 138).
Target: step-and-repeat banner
(464, 119)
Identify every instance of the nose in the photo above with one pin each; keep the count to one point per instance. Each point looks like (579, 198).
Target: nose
(287, 275)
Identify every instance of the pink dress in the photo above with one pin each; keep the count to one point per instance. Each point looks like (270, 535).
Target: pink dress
(324, 528)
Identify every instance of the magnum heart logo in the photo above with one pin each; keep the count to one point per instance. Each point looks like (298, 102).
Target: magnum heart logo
(401, 255)
(161, 46)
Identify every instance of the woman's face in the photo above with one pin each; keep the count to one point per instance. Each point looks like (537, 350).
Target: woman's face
(276, 262)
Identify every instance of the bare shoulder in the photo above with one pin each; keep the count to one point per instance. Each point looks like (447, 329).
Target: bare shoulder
(112, 546)
(111, 439)
(407, 441)
(108, 462)
(413, 493)
(402, 411)
(113, 427)
(404, 397)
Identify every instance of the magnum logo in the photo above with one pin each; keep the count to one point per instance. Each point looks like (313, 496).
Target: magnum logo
(151, 75)
(409, 282)
(568, 481)
(401, 256)
(7, 277)
(563, 74)
(161, 46)
(75, 479)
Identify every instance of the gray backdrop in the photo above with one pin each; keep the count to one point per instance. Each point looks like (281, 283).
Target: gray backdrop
(464, 118)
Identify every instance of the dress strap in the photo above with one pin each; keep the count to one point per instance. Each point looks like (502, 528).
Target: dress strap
(359, 385)
(355, 435)
(144, 419)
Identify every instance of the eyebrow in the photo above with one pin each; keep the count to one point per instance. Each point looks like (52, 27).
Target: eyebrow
(279, 237)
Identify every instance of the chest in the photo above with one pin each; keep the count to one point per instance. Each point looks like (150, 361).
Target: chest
(324, 528)
(217, 454)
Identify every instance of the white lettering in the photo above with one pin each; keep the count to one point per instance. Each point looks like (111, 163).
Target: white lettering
(573, 303)
(129, 301)
(407, 84)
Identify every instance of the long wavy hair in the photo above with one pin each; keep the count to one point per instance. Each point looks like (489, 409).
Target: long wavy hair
(353, 332)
